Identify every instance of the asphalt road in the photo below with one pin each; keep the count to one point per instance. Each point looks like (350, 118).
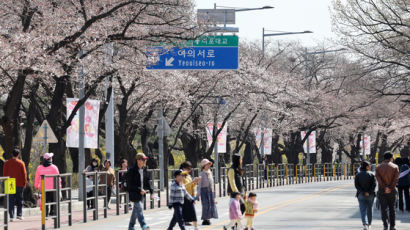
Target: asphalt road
(324, 205)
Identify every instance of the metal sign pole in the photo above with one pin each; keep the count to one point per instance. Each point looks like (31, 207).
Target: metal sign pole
(161, 147)
(109, 114)
(45, 138)
(81, 151)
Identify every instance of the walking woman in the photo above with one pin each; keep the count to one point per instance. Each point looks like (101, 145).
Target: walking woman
(110, 180)
(365, 183)
(207, 193)
(235, 180)
(188, 208)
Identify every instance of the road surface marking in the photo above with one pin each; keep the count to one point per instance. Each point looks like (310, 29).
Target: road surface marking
(286, 203)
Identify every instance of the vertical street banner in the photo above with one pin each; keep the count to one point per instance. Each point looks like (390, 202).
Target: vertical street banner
(366, 143)
(222, 137)
(267, 140)
(311, 141)
(92, 110)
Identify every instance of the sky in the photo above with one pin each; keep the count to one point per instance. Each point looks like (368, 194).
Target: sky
(287, 15)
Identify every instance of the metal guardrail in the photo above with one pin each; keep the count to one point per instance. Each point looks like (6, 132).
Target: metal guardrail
(93, 197)
(56, 202)
(121, 192)
(255, 177)
(5, 197)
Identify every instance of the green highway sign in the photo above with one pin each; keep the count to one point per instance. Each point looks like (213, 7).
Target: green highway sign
(215, 41)
(207, 41)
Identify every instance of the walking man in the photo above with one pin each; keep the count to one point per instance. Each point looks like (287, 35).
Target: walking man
(387, 175)
(15, 168)
(365, 183)
(138, 183)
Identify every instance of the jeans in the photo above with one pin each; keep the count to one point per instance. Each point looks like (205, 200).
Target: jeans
(177, 218)
(16, 200)
(137, 213)
(405, 190)
(366, 208)
(387, 207)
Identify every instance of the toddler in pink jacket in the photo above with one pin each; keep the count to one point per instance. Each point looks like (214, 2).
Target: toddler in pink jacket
(235, 213)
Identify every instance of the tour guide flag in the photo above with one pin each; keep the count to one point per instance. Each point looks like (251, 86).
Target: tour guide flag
(221, 137)
(92, 109)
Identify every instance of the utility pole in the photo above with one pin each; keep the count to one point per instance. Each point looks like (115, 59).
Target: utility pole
(109, 114)
(81, 153)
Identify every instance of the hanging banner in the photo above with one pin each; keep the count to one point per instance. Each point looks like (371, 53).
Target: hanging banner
(311, 141)
(92, 110)
(221, 137)
(366, 143)
(267, 140)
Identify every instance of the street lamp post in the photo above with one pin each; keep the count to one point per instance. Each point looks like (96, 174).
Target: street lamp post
(307, 74)
(278, 34)
(234, 10)
(262, 150)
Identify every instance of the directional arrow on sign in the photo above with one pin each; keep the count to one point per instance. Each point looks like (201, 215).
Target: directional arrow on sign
(168, 62)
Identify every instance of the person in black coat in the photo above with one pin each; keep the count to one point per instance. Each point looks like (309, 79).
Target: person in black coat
(138, 184)
(365, 183)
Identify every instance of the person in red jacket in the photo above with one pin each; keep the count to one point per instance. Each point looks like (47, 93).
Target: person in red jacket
(15, 168)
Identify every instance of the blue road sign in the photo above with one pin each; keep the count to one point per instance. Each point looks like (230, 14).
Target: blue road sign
(212, 58)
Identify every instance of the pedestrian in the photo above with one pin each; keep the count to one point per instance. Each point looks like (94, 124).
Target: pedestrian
(206, 193)
(15, 168)
(177, 196)
(138, 184)
(123, 177)
(235, 179)
(93, 167)
(47, 168)
(188, 208)
(110, 182)
(404, 184)
(365, 183)
(387, 175)
(251, 209)
(90, 191)
(235, 214)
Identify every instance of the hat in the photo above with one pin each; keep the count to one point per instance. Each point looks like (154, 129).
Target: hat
(47, 156)
(141, 156)
(178, 172)
(205, 162)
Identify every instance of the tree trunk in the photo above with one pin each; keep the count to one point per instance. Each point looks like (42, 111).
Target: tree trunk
(11, 119)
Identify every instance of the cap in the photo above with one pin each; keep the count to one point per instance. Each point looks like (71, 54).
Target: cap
(178, 172)
(141, 156)
(47, 156)
(205, 162)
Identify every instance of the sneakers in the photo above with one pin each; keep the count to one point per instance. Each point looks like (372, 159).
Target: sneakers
(145, 227)
(20, 217)
(11, 220)
(365, 227)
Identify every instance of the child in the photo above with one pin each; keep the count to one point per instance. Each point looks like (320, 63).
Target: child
(235, 213)
(251, 209)
(176, 200)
